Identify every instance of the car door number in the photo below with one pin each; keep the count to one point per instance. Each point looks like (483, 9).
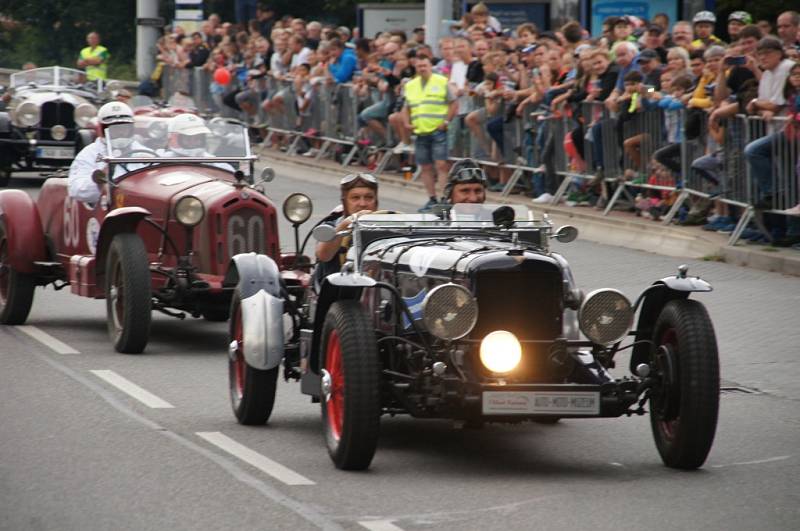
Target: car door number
(71, 230)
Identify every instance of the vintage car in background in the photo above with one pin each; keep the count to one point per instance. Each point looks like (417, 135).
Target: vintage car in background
(472, 318)
(160, 237)
(48, 119)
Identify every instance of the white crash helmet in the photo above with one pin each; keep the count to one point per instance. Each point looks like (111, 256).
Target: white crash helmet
(115, 112)
(705, 16)
(188, 124)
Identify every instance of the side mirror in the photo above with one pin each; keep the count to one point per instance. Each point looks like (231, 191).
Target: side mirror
(267, 176)
(99, 177)
(324, 233)
(566, 234)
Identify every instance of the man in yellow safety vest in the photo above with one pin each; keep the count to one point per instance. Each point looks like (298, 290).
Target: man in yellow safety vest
(94, 58)
(429, 107)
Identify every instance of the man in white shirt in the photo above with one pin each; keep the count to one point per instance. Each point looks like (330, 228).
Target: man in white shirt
(81, 185)
(770, 101)
(300, 53)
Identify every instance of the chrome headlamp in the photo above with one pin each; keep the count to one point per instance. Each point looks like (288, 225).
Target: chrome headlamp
(297, 208)
(606, 316)
(84, 113)
(189, 211)
(449, 311)
(28, 114)
(58, 132)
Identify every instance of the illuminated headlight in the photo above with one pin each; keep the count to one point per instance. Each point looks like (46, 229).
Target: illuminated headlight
(58, 132)
(449, 311)
(84, 114)
(189, 211)
(297, 208)
(500, 351)
(28, 114)
(606, 316)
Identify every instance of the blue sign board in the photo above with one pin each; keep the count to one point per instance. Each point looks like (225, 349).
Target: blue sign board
(602, 9)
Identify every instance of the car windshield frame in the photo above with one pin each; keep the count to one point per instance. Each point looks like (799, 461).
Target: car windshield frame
(54, 77)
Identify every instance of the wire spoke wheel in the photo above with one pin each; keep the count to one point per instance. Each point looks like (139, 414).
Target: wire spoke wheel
(350, 386)
(252, 390)
(128, 297)
(684, 405)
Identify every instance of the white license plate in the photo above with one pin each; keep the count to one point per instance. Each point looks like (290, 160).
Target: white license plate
(541, 403)
(48, 152)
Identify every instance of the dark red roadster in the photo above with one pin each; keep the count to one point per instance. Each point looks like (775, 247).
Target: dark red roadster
(161, 237)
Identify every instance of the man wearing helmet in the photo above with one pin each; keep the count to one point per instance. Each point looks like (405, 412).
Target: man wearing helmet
(80, 184)
(466, 183)
(187, 137)
(704, 22)
(736, 21)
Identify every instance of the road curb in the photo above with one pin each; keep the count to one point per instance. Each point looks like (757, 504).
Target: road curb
(618, 229)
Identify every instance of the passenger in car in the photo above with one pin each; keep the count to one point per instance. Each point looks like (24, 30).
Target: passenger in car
(359, 196)
(188, 137)
(466, 183)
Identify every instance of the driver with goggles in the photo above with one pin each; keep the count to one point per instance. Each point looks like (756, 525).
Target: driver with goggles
(359, 192)
(119, 118)
(466, 183)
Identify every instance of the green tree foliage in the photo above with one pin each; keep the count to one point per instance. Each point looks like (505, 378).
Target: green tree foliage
(52, 32)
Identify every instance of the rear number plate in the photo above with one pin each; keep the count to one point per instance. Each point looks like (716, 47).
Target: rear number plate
(54, 153)
(541, 403)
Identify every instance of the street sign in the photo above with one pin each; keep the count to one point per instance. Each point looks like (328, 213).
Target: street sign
(155, 22)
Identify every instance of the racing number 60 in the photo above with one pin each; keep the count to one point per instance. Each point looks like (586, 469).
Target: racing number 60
(71, 229)
(245, 234)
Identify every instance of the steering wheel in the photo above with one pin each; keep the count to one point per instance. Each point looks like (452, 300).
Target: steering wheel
(152, 155)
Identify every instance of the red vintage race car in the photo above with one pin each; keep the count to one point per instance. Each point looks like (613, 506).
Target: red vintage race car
(161, 237)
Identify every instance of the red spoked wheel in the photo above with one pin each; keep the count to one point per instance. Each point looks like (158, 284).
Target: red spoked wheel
(350, 386)
(684, 406)
(252, 390)
(16, 289)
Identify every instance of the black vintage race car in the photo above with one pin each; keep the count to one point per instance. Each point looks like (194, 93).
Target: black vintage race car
(48, 118)
(471, 318)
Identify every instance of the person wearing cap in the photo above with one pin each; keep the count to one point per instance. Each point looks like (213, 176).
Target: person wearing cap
(736, 21)
(704, 23)
(466, 183)
(80, 184)
(770, 100)
(186, 137)
(650, 66)
(653, 39)
(359, 194)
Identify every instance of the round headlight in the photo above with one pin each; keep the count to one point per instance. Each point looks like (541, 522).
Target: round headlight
(500, 351)
(606, 316)
(297, 208)
(449, 311)
(189, 211)
(28, 114)
(58, 132)
(84, 114)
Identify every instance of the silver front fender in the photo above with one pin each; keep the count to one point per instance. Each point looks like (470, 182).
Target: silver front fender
(262, 330)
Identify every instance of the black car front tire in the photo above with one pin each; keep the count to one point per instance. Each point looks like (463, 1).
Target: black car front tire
(351, 409)
(252, 390)
(128, 296)
(685, 406)
(16, 289)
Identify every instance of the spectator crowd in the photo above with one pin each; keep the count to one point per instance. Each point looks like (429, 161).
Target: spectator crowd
(525, 97)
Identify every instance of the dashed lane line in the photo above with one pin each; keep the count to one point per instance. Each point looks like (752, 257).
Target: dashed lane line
(261, 462)
(379, 525)
(126, 386)
(47, 340)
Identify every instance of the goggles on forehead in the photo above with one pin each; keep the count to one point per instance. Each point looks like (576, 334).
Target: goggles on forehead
(469, 175)
(352, 177)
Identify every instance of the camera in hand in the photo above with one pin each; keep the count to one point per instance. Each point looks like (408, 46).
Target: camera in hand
(737, 60)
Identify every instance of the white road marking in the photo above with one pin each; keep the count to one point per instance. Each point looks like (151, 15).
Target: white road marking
(614, 463)
(47, 340)
(261, 462)
(379, 525)
(126, 386)
(757, 462)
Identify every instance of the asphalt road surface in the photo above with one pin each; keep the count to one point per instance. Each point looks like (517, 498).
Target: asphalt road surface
(91, 439)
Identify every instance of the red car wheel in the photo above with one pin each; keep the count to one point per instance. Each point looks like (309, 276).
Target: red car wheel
(252, 390)
(350, 386)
